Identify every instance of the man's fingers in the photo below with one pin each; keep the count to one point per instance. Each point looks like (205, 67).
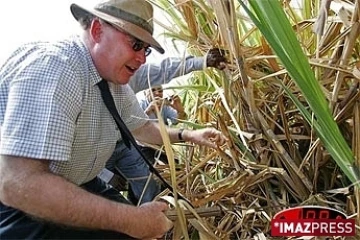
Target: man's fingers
(219, 138)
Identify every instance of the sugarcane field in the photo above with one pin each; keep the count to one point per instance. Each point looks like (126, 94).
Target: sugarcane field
(288, 101)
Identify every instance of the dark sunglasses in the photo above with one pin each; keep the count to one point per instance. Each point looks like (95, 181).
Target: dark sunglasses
(137, 44)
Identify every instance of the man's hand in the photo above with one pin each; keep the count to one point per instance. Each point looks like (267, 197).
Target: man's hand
(207, 137)
(156, 103)
(175, 103)
(216, 58)
(153, 222)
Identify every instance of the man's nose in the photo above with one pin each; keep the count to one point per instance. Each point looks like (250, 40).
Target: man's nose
(140, 56)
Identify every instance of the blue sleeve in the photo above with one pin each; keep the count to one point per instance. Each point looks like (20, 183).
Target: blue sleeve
(169, 113)
(150, 75)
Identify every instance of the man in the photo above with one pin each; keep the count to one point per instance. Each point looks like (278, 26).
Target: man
(171, 108)
(128, 162)
(57, 134)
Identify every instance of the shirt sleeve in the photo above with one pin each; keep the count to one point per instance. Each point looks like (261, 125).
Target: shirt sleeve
(143, 102)
(149, 75)
(171, 114)
(42, 107)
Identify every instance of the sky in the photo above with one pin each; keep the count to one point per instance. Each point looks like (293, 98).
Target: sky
(30, 20)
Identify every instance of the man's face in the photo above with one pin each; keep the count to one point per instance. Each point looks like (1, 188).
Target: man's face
(157, 92)
(116, 59)
(154, 93)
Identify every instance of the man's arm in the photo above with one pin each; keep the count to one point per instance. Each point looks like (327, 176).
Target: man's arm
(150, 133)
(157, 74)
(28, 185)
(164, 72)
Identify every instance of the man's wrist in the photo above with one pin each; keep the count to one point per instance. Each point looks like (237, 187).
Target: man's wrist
(181, 135)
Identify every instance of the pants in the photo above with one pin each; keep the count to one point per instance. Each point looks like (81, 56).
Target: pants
(134, 168)
(15, 224)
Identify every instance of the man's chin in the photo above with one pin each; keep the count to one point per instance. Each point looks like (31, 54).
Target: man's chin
(122, 81)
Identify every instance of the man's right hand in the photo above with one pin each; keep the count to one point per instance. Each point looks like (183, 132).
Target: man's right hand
(28, 185)
(153, 222)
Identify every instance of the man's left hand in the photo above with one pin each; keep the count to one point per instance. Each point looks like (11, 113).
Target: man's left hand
(209, 137)
(216, 58)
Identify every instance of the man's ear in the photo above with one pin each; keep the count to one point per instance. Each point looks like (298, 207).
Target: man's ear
(96, 30)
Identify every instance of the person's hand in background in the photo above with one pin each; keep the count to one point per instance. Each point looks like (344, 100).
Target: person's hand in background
(215, 57)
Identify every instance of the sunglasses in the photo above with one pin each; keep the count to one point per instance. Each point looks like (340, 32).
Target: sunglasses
(137, 44)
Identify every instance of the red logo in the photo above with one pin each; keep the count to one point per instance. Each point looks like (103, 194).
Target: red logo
(311, 221)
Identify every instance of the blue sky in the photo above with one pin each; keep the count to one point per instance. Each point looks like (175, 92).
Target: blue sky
(31, 20)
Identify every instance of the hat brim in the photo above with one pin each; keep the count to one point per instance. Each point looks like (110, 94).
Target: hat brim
(130, 28)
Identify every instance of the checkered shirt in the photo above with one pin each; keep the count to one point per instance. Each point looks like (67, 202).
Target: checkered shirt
(51, 108)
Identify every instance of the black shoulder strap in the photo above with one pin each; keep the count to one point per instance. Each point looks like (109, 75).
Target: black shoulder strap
(126, 135)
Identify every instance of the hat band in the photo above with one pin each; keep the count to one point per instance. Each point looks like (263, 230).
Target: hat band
(118, 13)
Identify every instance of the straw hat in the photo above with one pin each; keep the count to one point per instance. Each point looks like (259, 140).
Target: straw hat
(133, 16)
